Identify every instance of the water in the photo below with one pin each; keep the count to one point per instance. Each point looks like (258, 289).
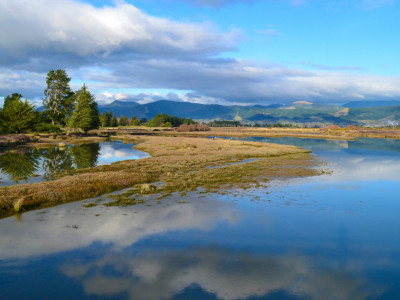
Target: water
(29, 165)
(329, 237)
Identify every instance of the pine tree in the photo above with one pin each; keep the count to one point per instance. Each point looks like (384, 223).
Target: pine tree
(86, 114)
(123, 121)
(11, 98)
(18, 116)
(59, 101)
(109, 118)
(114, 121)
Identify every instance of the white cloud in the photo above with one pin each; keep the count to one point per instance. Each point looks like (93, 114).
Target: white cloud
(68, 26)
(244, 81)
(121, 47)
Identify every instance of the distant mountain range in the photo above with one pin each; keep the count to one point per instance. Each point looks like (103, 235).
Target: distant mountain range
(356, 113)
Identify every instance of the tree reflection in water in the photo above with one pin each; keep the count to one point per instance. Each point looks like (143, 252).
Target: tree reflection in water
(22, 164)
(86, 155)
(19, 164)
(55, 161)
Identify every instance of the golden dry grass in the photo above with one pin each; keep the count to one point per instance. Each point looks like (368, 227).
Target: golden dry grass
(181, 163)
(348, 133)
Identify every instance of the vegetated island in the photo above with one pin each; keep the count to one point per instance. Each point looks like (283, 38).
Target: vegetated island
(180, 164)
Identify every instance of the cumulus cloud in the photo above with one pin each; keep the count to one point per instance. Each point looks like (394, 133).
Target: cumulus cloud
(68, 27)
(243, 81)
(121, 47)
(143, 98)
(30, 84)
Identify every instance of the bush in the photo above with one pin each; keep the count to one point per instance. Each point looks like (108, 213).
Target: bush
(46, 128)
(164, 118)
(193, 127)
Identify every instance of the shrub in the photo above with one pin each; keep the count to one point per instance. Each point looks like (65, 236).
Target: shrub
(47, 128)
(193, 127)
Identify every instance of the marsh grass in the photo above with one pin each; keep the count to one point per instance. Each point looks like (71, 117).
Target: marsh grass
(91, 204)
(124, 201)
(180, 163)
(18, 204)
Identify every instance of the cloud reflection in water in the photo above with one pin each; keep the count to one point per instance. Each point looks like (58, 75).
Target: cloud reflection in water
(227, 274)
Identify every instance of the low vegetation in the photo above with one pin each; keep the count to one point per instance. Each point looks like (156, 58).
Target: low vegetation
(161, 120)
(180, 163)
(192, 127)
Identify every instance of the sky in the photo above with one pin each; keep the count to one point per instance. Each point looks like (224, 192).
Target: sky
(226, 52)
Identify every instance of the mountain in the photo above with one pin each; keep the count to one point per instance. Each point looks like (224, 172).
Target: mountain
(359, 104)
(296, 112)
(119, 107)
(179, 109)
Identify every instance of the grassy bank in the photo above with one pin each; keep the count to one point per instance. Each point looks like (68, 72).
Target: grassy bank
(180, 163)
(351, 133)
(314, 133)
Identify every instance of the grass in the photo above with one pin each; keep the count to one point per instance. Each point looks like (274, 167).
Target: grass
(179, 163)
(348, 133)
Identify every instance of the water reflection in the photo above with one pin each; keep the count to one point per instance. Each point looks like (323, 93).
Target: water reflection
(361, 145)
(85, 156)
(33, 165)
(20, 164)
(158, 252)
(156, 275)
(55, 161)
(43, 234)
(326, 237)
(360, 160)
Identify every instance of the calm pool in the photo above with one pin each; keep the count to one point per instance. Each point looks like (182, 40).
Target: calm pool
(329, 237)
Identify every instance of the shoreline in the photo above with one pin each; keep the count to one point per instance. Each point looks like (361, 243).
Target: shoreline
(181, 163)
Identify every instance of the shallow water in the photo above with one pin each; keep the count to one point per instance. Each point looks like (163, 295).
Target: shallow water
(328, 237)
(28, 165)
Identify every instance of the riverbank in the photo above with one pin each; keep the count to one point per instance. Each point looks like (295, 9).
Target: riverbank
(328, 133)
(180, 163)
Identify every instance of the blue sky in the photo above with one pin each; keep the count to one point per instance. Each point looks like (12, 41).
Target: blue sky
(205, 51)
(336, 34)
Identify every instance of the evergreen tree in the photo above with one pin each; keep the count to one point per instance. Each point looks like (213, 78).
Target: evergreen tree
(86, 115)
(59, 101)
(123, 121)
(11, 98)
(109, 118)
(18, 116)
(134, 122)
(104, 118)
(114, 121)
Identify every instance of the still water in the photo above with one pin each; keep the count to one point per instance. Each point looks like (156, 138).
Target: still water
(329, 237)
(29, 165)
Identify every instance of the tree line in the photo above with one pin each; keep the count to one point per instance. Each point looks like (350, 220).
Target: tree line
(62, 107)
(109, 119)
